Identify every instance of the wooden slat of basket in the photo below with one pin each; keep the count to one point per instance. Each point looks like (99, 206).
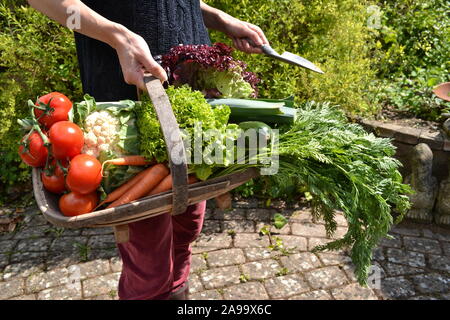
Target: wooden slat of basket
(140, 209)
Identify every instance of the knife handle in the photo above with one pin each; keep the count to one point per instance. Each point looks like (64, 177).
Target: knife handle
(266, 48)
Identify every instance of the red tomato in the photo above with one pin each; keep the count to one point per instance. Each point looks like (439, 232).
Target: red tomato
(33, 153)
(74, 204)
(55, 182)
(60, 105)
(67, 140)
(84, 174)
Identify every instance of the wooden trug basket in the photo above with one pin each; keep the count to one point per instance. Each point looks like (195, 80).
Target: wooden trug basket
(174, 201)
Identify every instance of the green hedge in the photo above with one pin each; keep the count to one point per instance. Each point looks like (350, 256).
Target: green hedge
(36, 56)
(332, 34)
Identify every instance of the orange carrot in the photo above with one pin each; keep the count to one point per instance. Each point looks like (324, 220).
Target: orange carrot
(166, 184)
(128, 161)
(118, 192)
(153, 176)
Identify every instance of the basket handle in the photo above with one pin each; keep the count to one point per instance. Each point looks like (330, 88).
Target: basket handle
(174, 143)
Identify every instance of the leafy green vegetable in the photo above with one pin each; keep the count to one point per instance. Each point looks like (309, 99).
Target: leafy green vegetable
(342, 167)
(191, 110)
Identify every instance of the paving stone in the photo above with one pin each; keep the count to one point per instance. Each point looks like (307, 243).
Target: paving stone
(246, 203)
(378, 254)
(41, 244)
(313, 242)
(67, 292)
(215, 241)
(62, 259)
(89, 269)
(439, 262)
(295, 243)
(393, 270)
(102, 253)
(253, 254)
(198, 263)
(422, 245)
(68, 243)
(339, 233)
(332, 258)
(252, 240)
(353, 292)
(246, 291)
(443, 236)
(44, 280)
(195, 285)
(24, 297)
(340, 220)
(413, 259)
(116, 264)
(446, 247)
(308, 229)
(206, 295)
(238, 226)
(423, 298)
(22, 269)
(97, 231)
(349, 270)
(7, 245)
(285, 286)
(258, 214)
(405, 231)
(111, 296)
(432, 283)
(211, 226)
(101, 285)
(326, 278)
(230, 214)
(300, 262)
(302, 216)
(32, 232)
(313, 295)
(12, 288)
(396, 288)
(396, 242)
(25, 256)
(219, 277)
(102, 242)
(261, 269)
(4, 260)
(225, 257)
(39, 220)
(72, 232)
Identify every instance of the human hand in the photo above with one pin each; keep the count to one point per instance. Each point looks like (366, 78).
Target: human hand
(136, 59)
(240, 31)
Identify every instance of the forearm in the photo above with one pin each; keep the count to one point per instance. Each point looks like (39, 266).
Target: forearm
(213, 18)
(90, 23)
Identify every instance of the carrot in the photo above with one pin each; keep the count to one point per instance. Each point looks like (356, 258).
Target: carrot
(166, 184)
(127, 161)
(118, 192)
(153, 176)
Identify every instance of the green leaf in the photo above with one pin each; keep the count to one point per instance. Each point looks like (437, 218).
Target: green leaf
(279, 221)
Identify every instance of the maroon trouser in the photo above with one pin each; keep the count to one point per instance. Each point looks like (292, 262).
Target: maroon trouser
(156, 260)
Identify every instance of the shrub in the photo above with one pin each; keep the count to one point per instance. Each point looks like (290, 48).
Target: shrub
(332, 34)
(413, 57)
(36, 56)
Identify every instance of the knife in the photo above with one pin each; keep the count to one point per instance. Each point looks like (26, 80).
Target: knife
(287, 57)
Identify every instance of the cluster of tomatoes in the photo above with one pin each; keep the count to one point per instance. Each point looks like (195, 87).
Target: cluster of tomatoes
(54, 143)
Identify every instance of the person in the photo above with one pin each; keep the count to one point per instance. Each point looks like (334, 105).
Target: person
(116, 43)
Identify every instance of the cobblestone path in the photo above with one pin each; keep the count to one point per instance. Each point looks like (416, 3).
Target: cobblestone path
(231, 260)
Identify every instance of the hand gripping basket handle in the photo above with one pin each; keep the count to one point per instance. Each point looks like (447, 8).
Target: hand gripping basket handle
(174, 143)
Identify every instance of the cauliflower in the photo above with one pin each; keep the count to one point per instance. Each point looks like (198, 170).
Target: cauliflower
(101, 133)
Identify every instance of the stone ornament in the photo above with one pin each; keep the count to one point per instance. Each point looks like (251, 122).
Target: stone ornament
(423, 183)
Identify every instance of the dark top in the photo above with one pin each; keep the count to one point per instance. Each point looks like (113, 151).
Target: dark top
(162, 23)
